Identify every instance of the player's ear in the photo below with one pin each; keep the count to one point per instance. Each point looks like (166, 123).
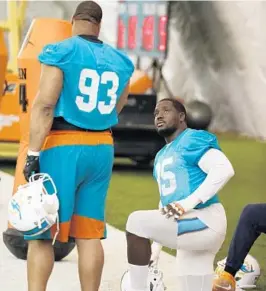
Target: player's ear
(182, 116)
(72, 19)
(99, 27)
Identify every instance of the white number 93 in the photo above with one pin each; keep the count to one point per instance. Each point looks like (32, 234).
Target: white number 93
(92, 91)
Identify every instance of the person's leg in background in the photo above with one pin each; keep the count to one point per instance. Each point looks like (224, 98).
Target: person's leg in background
(143, 226)
(251, 224)
(88, 221)
(40, 258)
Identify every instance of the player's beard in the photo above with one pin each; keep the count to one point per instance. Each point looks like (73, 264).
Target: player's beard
(166, 132)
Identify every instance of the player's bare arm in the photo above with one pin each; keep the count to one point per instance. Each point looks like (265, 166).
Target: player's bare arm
(43, 107)
(123, 99)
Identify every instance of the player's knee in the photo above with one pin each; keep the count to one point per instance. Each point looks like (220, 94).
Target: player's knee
(134, 223)
(249, 213)
(39, 245)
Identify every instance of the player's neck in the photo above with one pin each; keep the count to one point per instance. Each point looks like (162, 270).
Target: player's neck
(169, 139)
(85, 32)
(85, 29)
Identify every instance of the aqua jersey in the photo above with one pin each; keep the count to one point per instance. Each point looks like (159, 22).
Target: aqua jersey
(95, 75)
(176, 166)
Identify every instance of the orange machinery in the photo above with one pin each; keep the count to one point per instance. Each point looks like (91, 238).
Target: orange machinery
(3, 60)
(9, 97)
(9, 105)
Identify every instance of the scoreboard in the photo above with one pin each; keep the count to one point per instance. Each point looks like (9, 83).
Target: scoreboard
(143, 28)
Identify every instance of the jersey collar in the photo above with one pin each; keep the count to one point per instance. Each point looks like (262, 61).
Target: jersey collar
(92, 38)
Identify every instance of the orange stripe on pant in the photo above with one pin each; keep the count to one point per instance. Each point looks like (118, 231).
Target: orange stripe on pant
(61, 138)
(80, 228)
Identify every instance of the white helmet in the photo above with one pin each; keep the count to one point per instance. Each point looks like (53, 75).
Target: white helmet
(33, 209)
(248, 274)
(155, 280)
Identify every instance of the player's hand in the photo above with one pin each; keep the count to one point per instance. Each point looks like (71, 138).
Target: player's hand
(173, 210)
(32, 166)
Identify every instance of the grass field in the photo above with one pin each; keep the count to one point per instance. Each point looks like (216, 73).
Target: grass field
(133, 189)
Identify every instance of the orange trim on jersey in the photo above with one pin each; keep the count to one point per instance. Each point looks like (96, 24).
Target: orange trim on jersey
(61, 138)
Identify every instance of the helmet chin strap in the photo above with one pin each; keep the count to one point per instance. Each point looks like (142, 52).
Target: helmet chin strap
(155, 253)
(57, 228)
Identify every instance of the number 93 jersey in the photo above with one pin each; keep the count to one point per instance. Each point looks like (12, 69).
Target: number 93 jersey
(176, 166)
(95, 75)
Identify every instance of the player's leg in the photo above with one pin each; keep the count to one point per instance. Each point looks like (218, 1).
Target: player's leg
(88, 222)
(143, 226)
(197, 246)
(251, 224)
(40, 262)
(59, 163)
(90, 263)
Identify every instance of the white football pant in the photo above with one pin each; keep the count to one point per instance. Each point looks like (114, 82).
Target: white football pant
(196, 249)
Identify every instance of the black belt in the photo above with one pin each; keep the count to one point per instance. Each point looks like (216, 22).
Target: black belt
(60, 123)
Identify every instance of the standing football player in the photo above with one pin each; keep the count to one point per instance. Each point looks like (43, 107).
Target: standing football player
(190, 170)
(83, 87)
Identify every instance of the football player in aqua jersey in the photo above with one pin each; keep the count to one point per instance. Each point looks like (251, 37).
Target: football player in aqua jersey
(190, 171)
(83, 87)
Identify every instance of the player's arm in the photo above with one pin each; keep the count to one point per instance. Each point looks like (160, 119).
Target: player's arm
(123, 99)
(219, 171)
(42, 112)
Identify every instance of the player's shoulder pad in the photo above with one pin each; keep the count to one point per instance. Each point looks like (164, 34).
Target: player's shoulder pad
(196, 139)
(127, 60)
(56, 54)
(196, 143)
(125, 63)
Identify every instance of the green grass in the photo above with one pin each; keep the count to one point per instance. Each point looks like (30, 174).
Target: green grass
(133, 189)
(7, 169)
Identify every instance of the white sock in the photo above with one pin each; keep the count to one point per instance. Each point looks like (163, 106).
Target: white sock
(138, 276)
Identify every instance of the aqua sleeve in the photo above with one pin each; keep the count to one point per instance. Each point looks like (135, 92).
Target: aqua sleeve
(57, 54)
